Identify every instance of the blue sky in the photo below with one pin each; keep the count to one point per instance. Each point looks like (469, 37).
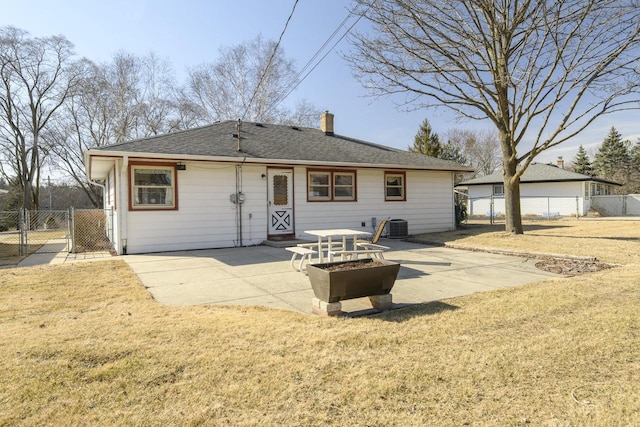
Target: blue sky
(190, 32)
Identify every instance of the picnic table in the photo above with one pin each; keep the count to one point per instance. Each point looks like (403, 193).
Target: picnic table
(342, 234)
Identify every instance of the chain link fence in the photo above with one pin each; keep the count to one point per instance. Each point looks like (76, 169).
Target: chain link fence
(617, 205)
(91, 230)
(535, 207)
(77, 230)
(42, 227)
(11, 236)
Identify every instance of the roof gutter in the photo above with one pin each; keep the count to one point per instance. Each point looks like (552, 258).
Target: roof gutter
(545, 181)
(248, 160)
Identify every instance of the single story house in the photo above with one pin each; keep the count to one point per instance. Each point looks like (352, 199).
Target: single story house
(545, 190)
(238, 183)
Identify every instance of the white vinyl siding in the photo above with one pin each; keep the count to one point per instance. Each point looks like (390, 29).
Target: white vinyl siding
(428, 206)
(207, 218)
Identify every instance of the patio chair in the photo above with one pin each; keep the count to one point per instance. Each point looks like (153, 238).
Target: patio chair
(372, 244)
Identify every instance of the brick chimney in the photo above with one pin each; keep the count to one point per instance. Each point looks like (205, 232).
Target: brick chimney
(326, 123)
(560, 162)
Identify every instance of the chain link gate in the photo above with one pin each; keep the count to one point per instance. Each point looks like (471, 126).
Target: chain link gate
(24, 232)
(46, 231)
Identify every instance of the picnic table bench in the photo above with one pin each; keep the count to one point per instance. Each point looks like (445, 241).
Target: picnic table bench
(353, 254)
(323, 245)
(304, 252)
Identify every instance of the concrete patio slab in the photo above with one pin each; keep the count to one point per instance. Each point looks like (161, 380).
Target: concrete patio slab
(262, 275)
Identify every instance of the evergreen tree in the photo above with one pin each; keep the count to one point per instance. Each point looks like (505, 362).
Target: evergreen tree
(581, 162)
(452, 152)
(634, 184)
(426, 141)
(635, 156)
(613, 159)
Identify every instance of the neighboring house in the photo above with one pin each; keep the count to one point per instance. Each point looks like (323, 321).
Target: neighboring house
(237, 184)
(545, 190)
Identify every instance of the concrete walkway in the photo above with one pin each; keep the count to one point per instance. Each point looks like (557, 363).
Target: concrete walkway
(57, 252)
(262, 275)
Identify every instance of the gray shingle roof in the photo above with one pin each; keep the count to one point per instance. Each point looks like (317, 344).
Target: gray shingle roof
(275, 143)
(538, 172)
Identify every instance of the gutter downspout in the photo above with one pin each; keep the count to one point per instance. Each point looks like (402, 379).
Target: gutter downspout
(104, 191)
(92, 182)
(97, 184)
(239, 202)
(122, 220)
(239, 187)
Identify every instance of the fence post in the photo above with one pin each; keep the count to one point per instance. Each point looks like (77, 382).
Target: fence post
(491, 210)
(110, 225)
(549, 208)
(68, 235)
(21, 231)
(577, 207)
(72, 228)
(27, 230)
(624, 205)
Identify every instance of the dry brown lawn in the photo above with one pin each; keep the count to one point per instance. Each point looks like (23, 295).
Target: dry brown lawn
(84, 344)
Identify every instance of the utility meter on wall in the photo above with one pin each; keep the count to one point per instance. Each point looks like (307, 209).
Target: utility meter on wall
(236, 198)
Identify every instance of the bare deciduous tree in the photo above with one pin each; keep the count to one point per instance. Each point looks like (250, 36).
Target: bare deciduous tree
(247, 82)
(126, 98)
(142, 95)
(303, 114)
(540, 71)
(37, 75)
(480, 148)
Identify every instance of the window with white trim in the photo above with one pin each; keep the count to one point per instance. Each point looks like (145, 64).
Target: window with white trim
(498, 190)
(343, 186)
(326, 186)
(153, 187)
(394, 186)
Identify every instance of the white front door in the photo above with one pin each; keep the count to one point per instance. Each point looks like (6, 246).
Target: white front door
(280, 203)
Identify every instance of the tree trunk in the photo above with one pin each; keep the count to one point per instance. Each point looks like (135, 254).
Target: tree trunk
(511, 181)
(26, 195)
(513, 217)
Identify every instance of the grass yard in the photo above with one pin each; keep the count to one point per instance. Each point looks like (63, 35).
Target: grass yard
(84, 344)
